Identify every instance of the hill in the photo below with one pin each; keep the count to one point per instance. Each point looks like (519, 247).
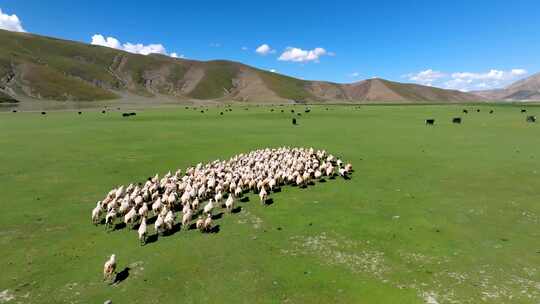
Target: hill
(527, 89)
(53, 69)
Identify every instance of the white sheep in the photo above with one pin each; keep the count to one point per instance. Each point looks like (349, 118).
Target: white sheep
(109, 219)
(158, 225)
(207, 223)
(200, 223)
(156, 206)
(229, 203)
(186, 218)
(130, 217)
(120, 192)
(169, 220)
(96, 213)
(143, 211)
(142, 231)
(109, 268)
(195, 204)
(218, 197)
(208, 208)
(263, 195)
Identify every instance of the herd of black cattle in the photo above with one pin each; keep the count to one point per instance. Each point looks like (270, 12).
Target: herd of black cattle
(458, 120)
(429, 121)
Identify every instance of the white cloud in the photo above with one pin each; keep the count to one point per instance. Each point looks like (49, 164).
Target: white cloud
(354, 74)
(426, 77)
(10, 22)
(300, 55)
(518, 72)
(135, 48)
(145, 49)
(215, 44)
(273, 70)
(467, 81)
(175, 55)
(244, 48)
(264, 49)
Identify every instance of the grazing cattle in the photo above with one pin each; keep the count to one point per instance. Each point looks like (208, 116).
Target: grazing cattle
(523, 110)
(456, 120)
(294, 121)
(531, 118)
(465, 111)
(43, 113)
(430, 122)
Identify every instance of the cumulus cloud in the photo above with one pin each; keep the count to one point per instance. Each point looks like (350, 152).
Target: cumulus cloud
(426, 77)
(299, 55)
(176, 55)
(354, 74)
(135, 48)
(273, 70)
(467, 81)
(264, 49)
(10, 22)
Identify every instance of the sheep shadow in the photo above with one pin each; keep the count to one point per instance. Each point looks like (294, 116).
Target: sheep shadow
(237, 209)
(151, 220)
(152, 238)
(192, 226)
(119, 226)
(217, 216)
(269, 202)
(322, 180)
(176, 227)
(244, 199)
(214, 229)
(276, 190)
(346, 177)
(121, 276)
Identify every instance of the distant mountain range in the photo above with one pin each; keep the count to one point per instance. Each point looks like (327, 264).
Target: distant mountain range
(44, 68)
(527, 89)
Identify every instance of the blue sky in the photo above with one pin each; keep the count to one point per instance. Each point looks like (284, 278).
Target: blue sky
(453, 44)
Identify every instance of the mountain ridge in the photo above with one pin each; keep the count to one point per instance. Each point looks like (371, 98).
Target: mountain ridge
(45, 68)
(526, 89)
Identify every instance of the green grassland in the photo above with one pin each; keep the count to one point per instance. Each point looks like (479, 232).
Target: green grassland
(442, 214)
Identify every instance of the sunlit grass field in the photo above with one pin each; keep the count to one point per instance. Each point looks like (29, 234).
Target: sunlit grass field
(432, 214)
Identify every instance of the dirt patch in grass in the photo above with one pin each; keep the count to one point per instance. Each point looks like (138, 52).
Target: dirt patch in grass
(487, 283)
(6, 296)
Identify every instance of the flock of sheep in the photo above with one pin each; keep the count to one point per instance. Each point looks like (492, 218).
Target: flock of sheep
(203, 188)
